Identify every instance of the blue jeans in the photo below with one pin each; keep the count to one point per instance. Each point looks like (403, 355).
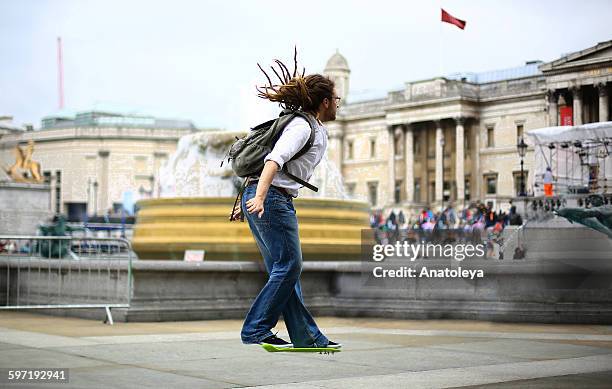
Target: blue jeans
(276, 234)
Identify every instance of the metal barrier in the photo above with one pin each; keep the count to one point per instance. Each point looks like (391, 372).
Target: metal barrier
(65, 272)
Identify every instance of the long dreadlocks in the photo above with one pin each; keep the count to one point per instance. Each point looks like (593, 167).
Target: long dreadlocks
(296, 91)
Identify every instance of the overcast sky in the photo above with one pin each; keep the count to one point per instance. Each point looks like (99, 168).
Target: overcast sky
(197, 60)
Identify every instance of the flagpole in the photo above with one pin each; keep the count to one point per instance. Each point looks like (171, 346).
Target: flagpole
(440, 41)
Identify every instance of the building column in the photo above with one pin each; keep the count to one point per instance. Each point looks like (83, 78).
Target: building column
(335, 146)
(409, 160)
(439, 162)
(335, 156)
(460, 159)
(577, 95)
(103, 180)
(476, 174)
(391, 137)
(553, 110)
(603, 102)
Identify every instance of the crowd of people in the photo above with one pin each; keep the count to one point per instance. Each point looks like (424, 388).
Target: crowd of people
(476, 220)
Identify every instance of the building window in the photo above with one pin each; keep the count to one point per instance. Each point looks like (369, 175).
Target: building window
(397, 193)
(47, 177)
(350, 189)
(417, 145)
(446, 191)
(517, 181)
(491, 184)
(373, 193)
(372, 148)
(349, 150)
(466, 188)
(519, 132)
(466, 142)
(490, 137)
(417, 190)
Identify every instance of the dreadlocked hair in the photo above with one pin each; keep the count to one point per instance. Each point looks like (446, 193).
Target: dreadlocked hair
(296, 91)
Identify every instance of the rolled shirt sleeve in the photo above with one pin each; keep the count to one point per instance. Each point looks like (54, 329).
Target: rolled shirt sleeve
(294, 137)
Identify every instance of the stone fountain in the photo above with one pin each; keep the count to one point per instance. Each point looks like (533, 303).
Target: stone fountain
(197, 195)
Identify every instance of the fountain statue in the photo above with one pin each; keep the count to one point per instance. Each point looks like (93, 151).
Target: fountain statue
(597, 218)
(24, 165)
(196, 198)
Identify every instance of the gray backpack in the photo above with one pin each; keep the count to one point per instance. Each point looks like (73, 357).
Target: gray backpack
(247, 154)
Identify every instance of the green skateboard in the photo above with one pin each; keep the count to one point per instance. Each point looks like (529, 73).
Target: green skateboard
(321, 350)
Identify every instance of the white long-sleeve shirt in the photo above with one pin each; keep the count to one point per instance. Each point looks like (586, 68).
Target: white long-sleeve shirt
(294, 137)
(547, 177)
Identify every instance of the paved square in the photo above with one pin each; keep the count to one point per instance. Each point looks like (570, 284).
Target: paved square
(376, 353)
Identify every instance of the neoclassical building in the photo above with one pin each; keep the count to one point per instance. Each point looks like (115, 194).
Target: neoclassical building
(92, 159)
(455, 138)
(444, 139)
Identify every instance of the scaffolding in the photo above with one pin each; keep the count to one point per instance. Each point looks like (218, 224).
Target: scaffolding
(579, 157)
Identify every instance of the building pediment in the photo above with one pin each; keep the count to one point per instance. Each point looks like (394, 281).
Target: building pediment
(425, 89)
(596, 55)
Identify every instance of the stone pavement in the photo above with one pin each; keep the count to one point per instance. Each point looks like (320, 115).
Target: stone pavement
(377, 353)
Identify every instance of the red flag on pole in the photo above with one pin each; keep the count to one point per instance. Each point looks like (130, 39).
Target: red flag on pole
(448, 18)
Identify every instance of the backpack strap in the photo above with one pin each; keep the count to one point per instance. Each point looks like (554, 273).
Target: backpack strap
(310, 142)
(303, 151)
(299, 180)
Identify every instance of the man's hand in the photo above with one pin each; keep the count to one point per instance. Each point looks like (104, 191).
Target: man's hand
(237, 213)
(256, 205)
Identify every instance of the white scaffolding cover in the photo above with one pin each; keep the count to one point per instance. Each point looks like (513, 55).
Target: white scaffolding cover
(584, 132)
(588, 166)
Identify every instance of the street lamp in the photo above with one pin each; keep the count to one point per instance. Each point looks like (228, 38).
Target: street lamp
(522, 149)
(442, 141)
(88, 194)
(95, 196)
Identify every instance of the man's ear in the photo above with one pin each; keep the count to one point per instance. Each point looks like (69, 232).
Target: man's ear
(325, 103)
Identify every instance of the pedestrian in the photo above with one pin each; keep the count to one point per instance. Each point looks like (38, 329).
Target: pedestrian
(547, 179)
(380, 219)
(392, 218)
(267, 204)
(401, 218)
(515, 218)
(392, 227)
(373, 220)
(490, 218)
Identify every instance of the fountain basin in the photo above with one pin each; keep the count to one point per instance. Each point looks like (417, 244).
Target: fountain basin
(330, 229)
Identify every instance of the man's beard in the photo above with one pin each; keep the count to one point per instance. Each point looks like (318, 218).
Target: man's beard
(331, 117)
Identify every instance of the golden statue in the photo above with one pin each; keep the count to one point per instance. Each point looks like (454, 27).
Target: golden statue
(23, 161)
